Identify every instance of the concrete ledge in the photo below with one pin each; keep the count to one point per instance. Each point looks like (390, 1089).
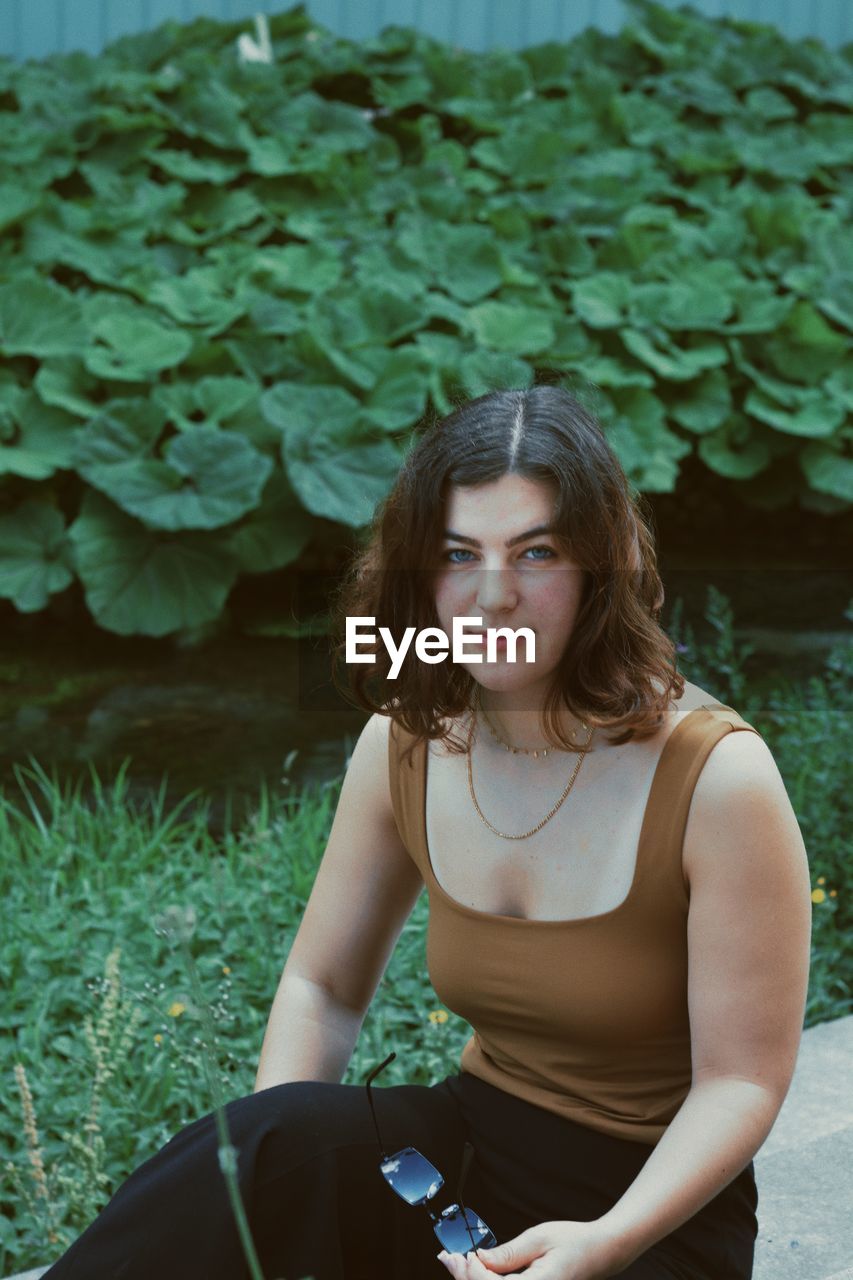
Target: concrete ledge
(804, 1170)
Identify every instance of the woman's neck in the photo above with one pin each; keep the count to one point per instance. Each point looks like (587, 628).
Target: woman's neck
(516, 716)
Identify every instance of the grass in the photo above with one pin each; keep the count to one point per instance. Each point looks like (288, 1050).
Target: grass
(103, 1039)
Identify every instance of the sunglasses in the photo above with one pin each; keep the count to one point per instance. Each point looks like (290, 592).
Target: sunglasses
(414, 1179)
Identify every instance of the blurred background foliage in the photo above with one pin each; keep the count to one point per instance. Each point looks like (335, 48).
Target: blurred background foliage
(231, 290)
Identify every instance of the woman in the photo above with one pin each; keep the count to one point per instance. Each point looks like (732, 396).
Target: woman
(619, 905)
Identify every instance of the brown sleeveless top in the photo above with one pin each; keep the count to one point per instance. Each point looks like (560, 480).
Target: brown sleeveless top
(588, 1017)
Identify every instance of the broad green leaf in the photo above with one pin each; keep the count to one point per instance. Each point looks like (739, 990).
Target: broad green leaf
(197, 299)
(528, 155)
(467, 262)
(463, 260)
(635, 425)
(338, 471)
(38, 318)
(209, 214)
(17, 202)
(35, 558)
(566, 251)
(735, 451)
(787, 151)
(518, 330)
(43, 439)
(678, 364)
(190, 168)
(696, 302)
(205, 477)
(206, 108)
(139, 581)
(333, 126)
(607, 371)
(299, 410)
(817, 414)
(302, 268)
(840, 384)
(210, 400)
(398, 397)
(65, 382)
(769, 104)
(274, 315)
(602, 301)
(571, 345)
(806, 346)
(483, 371)
(828, 470)
(759, 308)
(134, 348)
(274, 534)
(706, 405)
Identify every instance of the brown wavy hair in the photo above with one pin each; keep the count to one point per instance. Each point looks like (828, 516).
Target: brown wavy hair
(619, 671)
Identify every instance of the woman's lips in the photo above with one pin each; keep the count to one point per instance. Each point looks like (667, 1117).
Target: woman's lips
(500, 641)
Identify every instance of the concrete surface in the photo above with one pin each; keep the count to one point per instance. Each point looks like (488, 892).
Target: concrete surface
(804, 1170)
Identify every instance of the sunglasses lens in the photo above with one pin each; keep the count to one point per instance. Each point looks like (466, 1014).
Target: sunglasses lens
(411, 1175)
(455, 1236)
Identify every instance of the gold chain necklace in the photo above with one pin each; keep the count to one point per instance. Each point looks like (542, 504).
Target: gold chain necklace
(507, 746)
(548, 816)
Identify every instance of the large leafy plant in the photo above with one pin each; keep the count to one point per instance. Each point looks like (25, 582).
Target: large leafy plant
(228, 291)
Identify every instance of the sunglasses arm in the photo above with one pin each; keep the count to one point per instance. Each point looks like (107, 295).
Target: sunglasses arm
(374, 1073)
(467, 1155)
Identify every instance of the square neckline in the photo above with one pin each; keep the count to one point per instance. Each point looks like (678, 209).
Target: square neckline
(572, 920)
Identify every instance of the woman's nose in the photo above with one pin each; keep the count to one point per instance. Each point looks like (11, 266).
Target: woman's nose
(496, 589)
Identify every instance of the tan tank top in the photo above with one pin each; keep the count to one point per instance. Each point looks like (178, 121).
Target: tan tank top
(587, 1017)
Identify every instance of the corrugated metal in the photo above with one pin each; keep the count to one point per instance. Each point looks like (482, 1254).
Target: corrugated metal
(35, 28)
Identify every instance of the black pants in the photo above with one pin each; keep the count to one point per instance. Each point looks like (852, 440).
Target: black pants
(318, 1206)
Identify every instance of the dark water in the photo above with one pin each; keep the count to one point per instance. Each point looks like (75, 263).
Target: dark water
(228, 714)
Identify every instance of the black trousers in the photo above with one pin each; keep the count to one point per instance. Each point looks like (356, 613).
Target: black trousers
(318, 1206)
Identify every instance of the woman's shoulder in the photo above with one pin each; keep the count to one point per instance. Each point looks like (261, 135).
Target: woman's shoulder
(695, 698)
(738, 770)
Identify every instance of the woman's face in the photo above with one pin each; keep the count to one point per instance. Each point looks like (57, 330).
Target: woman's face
(499, 562)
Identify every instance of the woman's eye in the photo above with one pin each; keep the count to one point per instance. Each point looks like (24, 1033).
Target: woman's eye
(449, 556)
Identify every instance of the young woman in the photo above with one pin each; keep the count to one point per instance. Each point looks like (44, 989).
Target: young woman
(619, 906)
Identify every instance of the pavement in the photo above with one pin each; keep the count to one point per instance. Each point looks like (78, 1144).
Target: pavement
(804, 1170)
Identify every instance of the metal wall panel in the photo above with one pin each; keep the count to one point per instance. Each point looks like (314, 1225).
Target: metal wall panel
(36, 28)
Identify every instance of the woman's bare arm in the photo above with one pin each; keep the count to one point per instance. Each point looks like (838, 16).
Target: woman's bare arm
(364, 891)
(748, 937)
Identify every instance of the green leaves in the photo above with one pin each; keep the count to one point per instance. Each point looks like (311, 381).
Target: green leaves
(37, 318)
(141, 582)
(337, 471)
(134, 348)
(204, 478)
(231, 291)
(518, 330)
(35, 558)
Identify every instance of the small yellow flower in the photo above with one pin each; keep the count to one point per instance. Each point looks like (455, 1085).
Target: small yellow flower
(821, 879)
(158, 1039)
(175, 1010)
(438, 1015)
(818, 895)
(833, 893)
(226, 969)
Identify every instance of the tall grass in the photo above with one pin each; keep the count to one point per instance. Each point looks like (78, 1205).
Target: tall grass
(101, 1039)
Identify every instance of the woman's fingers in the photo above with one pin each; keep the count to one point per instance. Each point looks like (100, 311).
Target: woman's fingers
(513, 1255)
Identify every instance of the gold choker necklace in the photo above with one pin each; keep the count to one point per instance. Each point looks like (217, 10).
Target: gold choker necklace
(548, 816)
(527, 751)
